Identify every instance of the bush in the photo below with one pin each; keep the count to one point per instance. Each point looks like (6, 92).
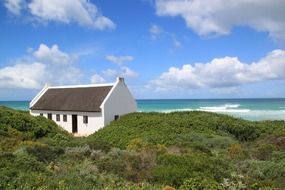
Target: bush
(99, 145)
(78, 152)
(235, 151)
(45, 153)
(200, 183)
(131, 166)
(175, 169)
(264, 151)
(190, 150)
(25, 126)
(264, 169)
(178, 128)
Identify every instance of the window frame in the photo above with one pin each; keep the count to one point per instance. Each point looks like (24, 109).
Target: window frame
(85, 119)
(57, 117)
(49, 116)
(116, 117)
(64, 118)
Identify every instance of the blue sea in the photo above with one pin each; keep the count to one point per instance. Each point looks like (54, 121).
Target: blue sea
(250, 109)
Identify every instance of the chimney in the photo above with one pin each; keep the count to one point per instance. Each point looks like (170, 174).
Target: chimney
(121, 79)
(47, 85)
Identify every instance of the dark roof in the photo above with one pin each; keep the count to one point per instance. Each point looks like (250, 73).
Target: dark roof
(85, 99)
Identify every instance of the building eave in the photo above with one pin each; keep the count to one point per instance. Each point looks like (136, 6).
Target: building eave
(65, 110)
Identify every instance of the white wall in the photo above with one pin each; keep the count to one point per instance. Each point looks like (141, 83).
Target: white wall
(119, 102)
(95, 120)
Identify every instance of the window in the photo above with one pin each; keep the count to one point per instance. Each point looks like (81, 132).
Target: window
(65, 118)
(57, 117)
(41, 114)
(50, 116)
(85, 119)
(116, 117)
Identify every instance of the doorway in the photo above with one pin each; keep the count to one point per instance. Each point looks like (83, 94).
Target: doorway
(74, 124)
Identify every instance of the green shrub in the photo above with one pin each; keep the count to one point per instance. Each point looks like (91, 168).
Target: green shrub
(22, 125)
(99, 145)
(200, 183)
(45, 153)
(131, 166)
(178, 128)
(190, 150)
(236, 151)
(174, 169)
(264, 169)
(264, 151)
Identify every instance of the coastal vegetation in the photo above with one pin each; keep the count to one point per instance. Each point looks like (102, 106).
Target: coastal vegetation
(179, 150)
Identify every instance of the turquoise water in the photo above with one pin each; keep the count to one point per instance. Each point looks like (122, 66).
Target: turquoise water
(251, 109)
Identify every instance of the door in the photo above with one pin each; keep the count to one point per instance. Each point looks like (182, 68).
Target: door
(74, 124)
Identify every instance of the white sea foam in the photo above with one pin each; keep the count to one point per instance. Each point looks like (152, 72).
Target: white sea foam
(221, 110)
(177, 110)
(232, 105)
(222, 107)
(263, 115)
(234, 110)
(213, 108)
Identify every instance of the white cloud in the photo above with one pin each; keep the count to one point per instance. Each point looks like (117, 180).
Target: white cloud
(82, 12)
(128, 73)
(156, 32)
(53, 55)
(220, 16)
(110, 72)
(122, 72)
(14, 6)
(97, 79)
(22, 76)
(223, 72)
(119, 59)
(46, 64)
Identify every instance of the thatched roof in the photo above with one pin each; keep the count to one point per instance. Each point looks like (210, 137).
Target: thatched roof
(85, 99)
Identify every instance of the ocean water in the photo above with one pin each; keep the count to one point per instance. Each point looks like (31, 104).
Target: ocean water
(250, 109)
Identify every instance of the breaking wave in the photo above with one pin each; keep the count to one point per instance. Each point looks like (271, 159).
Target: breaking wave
(233, 110)
(224, 108)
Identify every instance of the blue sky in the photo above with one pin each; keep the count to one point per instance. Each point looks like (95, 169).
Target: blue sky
(164, 48)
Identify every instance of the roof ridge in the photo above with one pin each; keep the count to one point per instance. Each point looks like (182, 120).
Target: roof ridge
(81, 86)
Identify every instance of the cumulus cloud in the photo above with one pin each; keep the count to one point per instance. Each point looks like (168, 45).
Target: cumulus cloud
(82, 12)
(226, 72)
(53, 55)
(220, 16)
(128, 73)
(22, 76)
(119, 59)
(97, 79)
(14, 6)
(122, 72)
(46, 65)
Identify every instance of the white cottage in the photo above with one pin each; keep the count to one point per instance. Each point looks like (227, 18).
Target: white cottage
(84, 109)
